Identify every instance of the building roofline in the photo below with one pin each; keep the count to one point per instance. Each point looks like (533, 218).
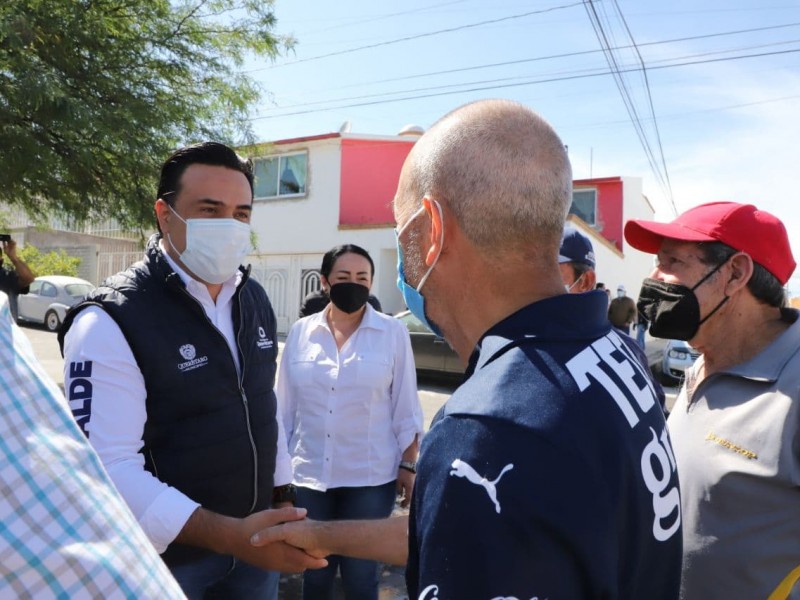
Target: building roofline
(306, 138)
(343, 136)
(593, 233)
(595, 180)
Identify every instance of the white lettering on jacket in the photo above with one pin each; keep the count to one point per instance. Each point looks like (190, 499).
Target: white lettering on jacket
(434, 591)
(189, 352)
(595, 364)
(79, 393)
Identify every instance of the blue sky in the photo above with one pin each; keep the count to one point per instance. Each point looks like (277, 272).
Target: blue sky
(723, 80)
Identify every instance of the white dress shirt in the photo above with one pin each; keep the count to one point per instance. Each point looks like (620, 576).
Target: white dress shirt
(118, 411)
(348, 414)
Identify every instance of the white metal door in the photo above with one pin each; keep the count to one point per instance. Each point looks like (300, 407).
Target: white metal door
(285, 277)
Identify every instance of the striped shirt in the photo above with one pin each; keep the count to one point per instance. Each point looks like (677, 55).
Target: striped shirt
(64, 530)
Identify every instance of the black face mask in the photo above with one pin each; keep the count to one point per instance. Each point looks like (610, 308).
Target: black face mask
(348, 296)
(672, 308)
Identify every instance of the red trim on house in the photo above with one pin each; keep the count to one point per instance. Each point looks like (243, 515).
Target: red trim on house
(591, 182)
(308, 138)
(609, 206)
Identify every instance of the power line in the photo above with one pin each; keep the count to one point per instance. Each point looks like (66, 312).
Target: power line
(677, 115)
(557, 56)
(389, 16)
(652, 108)
(419, 36)
(499, 80)
(520, 84)
(619, 80)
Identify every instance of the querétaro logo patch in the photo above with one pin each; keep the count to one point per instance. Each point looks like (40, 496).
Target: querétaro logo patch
(189, 353)
(263, 342)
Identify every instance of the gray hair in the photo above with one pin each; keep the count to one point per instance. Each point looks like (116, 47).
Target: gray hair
(500, 168)
(764, 286)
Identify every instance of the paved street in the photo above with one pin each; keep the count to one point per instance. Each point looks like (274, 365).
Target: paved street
(45, 346)
(433, 393)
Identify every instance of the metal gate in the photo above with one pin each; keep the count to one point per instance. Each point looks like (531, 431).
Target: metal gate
(287, 278)
(110, 263)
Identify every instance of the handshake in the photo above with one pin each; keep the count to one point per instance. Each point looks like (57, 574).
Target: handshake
(284, 540)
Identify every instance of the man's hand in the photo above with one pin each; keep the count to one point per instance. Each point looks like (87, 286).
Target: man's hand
(10, 248)
(278, 556)
(384, 540)
(228, 535)
(306, 534)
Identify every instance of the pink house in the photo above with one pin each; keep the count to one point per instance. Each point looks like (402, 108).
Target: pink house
(313, 193)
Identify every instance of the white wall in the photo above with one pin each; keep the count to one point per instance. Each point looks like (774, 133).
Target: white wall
(303, 225)
(293, 235)
(632, 266)
(635, 205)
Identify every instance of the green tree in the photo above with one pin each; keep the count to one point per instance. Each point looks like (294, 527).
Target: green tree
(52, 263)
(94, 94)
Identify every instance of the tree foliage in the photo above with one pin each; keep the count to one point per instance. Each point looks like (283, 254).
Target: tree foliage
(52, 263)
(94, 94)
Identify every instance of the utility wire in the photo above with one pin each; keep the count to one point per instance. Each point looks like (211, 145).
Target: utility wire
(687, 113)
(520, 84)
(388, 16)
(499, 80)
(418, 36)
(652, 108)
(573, 54)
(627, 98)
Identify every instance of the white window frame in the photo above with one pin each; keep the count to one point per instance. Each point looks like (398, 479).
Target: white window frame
(280, 158)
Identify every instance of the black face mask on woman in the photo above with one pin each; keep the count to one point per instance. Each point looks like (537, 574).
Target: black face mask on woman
(348, 296)
(672, 308)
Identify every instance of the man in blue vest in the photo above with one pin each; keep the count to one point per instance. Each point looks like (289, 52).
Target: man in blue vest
(169, 371)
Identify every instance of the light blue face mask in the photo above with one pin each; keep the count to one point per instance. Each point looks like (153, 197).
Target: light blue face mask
(412, 296)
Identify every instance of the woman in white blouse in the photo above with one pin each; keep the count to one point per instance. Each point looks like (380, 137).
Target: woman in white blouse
(347, 393)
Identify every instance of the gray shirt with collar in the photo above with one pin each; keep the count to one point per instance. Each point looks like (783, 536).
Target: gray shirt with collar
(737, 445)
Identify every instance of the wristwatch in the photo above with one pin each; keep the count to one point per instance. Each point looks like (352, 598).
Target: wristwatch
(408, 466)
(284, 493)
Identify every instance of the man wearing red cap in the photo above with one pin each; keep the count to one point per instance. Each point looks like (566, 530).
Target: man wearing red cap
(735, 427)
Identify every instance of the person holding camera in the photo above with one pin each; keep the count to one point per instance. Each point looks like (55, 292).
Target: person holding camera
(14, 281)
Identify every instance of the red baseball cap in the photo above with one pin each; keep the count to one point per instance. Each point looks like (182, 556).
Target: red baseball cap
(740, 226)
